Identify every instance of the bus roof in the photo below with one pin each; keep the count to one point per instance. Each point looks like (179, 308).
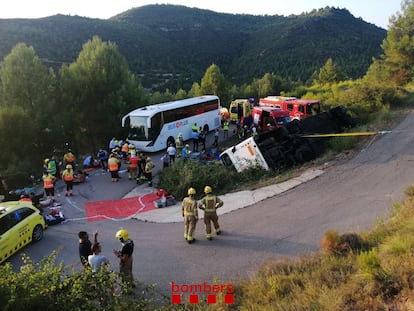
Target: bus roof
(152, 109)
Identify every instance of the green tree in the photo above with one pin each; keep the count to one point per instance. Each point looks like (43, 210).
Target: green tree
(97, 90)
(25, 81)
(330, 73)
(398, 46)
(214, 83)
(27, 102)
(195, 90)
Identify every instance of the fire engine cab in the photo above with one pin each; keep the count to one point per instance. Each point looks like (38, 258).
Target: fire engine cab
(298, 108)
(265, 117)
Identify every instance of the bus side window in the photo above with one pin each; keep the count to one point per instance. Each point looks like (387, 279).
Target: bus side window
(156, 126)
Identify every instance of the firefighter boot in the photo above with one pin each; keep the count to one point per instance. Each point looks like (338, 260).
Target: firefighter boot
(218, 231)
(208, 237)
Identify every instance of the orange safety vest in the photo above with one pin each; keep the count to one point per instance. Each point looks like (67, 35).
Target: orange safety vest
(133, 162)
(69, 157)
(113, 164)
(47, 182)
(125, 148)
(67, 175)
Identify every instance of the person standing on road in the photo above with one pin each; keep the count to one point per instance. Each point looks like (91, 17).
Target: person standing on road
(132, 167)
(179, 144)
(103, 158)
(189, 209)
(49, 186)
(68, 176)
(196, 137)
(125, 257)
(69, 158)
(96, 261)
(113, 166)
(209, 204)
(85, 246)
(216, 137)
(165, 159)
(149, 165)
(226, 128)
(171, 152)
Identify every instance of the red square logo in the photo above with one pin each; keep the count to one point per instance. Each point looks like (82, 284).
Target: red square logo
(211, 298)
(175, 299)
(229, 299)
(193, 299)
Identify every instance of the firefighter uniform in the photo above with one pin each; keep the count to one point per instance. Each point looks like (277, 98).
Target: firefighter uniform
(209, 204)
(149, 165)
(189, 209)
(179, 144)
(132, 167)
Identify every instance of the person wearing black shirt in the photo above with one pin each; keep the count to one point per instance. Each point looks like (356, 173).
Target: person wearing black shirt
(85, 246)
(125, 257)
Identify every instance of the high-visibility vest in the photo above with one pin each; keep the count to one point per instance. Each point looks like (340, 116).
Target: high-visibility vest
(113, 164)
(47, 182)
(69, 157)
(189, 207)
(67, 175)
(133, 162)
(125, 148)
(149, 166)
(133, 153)
(210, 202)
(51, 167)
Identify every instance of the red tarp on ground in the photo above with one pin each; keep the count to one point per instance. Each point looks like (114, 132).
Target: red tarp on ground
(101, 210)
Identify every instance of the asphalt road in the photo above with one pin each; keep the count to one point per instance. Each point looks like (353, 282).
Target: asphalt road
(350, 196)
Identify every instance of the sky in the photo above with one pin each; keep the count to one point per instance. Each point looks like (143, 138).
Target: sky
(376, 12)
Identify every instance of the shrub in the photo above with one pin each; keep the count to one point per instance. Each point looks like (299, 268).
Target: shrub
(180, 176)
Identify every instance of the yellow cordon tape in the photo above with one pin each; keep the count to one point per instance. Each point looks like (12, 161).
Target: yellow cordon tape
(345, 134)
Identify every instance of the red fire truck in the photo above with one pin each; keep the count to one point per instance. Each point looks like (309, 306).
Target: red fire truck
(265, 117)
(298, 108)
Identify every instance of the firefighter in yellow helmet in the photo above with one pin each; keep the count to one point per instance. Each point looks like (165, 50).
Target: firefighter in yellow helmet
(149, 166)
(125, 257)
(179, 144)
(209, 204)
(189, 209)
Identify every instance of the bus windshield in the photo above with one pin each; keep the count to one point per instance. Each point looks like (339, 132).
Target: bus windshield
(138, 129)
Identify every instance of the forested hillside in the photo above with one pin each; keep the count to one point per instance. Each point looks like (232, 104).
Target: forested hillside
(176, 44)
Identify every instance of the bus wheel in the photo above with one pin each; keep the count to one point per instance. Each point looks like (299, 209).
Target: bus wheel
(206, 129)
(171, 141)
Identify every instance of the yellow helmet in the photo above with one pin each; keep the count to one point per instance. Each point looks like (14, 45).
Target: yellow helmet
(148, 159)
(191, 191)
(69, 166)
(207, 189)
(122, 234)
(47, 161)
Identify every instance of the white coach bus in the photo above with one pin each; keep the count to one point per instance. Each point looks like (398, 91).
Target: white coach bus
(152, 128)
